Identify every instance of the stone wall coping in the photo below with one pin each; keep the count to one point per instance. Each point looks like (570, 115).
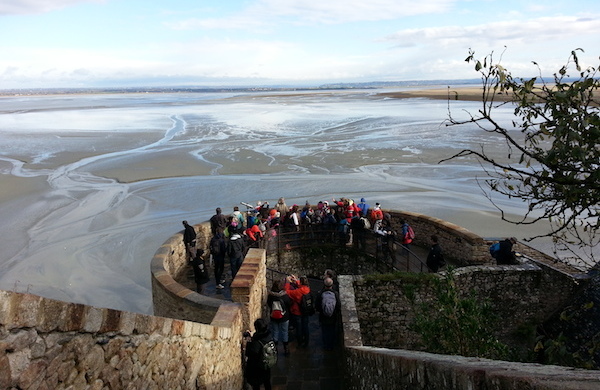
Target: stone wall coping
(18, 310)
(169, 284)
(440, 223)
(548, 376)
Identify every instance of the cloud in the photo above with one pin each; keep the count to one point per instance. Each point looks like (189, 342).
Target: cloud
(265, 13)
(234, 22)
(22, 7)
(499, 33)
(343, 11)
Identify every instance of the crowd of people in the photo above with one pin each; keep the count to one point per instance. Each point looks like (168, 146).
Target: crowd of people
(343, 221)
(290, 300)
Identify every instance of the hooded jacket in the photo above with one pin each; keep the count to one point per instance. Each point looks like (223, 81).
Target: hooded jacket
(235, 246)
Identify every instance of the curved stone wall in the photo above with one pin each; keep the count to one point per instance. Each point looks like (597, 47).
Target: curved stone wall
(169, 298)
(461, 246)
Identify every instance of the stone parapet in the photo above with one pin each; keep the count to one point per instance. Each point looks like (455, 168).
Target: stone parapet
(378, 368)
(249, 286)
(461, 246)
(521, 296)
(369, 367)
(47, 344)
(171, 299)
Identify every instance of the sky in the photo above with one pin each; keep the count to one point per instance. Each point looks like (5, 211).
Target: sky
(127, 43)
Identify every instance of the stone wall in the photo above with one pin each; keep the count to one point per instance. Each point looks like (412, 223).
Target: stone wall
(47, 344)
(461, 246)
(249, 286)
(169, 298)
(385, 312)
(522, 296)
(369, 367)
(313, 261)
(378, 368)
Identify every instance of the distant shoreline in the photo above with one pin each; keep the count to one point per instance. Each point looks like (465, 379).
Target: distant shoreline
(467, 93)
(451, 93)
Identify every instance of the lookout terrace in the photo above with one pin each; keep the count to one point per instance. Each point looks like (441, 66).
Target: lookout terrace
(194, 341)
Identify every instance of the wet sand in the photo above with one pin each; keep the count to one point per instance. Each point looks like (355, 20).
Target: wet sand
(449, 93)
(85, 205)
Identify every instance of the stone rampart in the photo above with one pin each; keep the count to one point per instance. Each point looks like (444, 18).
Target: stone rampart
(249, 286)
(381, 368)
(313, 261)
(521, 296)
(461, 246)
(171, 299)
(47, 344)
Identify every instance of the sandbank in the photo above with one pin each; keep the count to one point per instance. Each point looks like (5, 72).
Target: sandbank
(452, 93)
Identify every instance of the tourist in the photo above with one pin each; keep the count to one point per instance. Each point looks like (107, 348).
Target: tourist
(385, 237)
(363, 207)
(505, 254)
(200, 272)
(329, 273)
(218, 249)
(256, 374)
(235, 249)
(263, 209)
(279, 306)
(328, 305)
(238, 217)
(359, 232)
(296, 288)
(407, 236)
(218, 222)
(291, 224)
(189, 240)
(281, 207)
(435, 258)
(376, 214)
(254, 235)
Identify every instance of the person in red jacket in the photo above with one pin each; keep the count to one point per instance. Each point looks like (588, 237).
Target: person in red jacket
(296, 288)
(376, 214)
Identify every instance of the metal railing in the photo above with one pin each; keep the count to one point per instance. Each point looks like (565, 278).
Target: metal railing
(398, 258)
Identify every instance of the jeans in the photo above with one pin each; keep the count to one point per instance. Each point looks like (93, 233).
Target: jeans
(279, 330)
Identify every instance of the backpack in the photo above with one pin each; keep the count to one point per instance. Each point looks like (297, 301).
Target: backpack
(268, 354)
(410, 233)
(307, 305)
(494, 249)
(277, 310)
(328, 303)
(288, 221)
(365, 222)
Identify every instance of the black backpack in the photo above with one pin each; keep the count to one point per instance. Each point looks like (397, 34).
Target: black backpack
(307, 304)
